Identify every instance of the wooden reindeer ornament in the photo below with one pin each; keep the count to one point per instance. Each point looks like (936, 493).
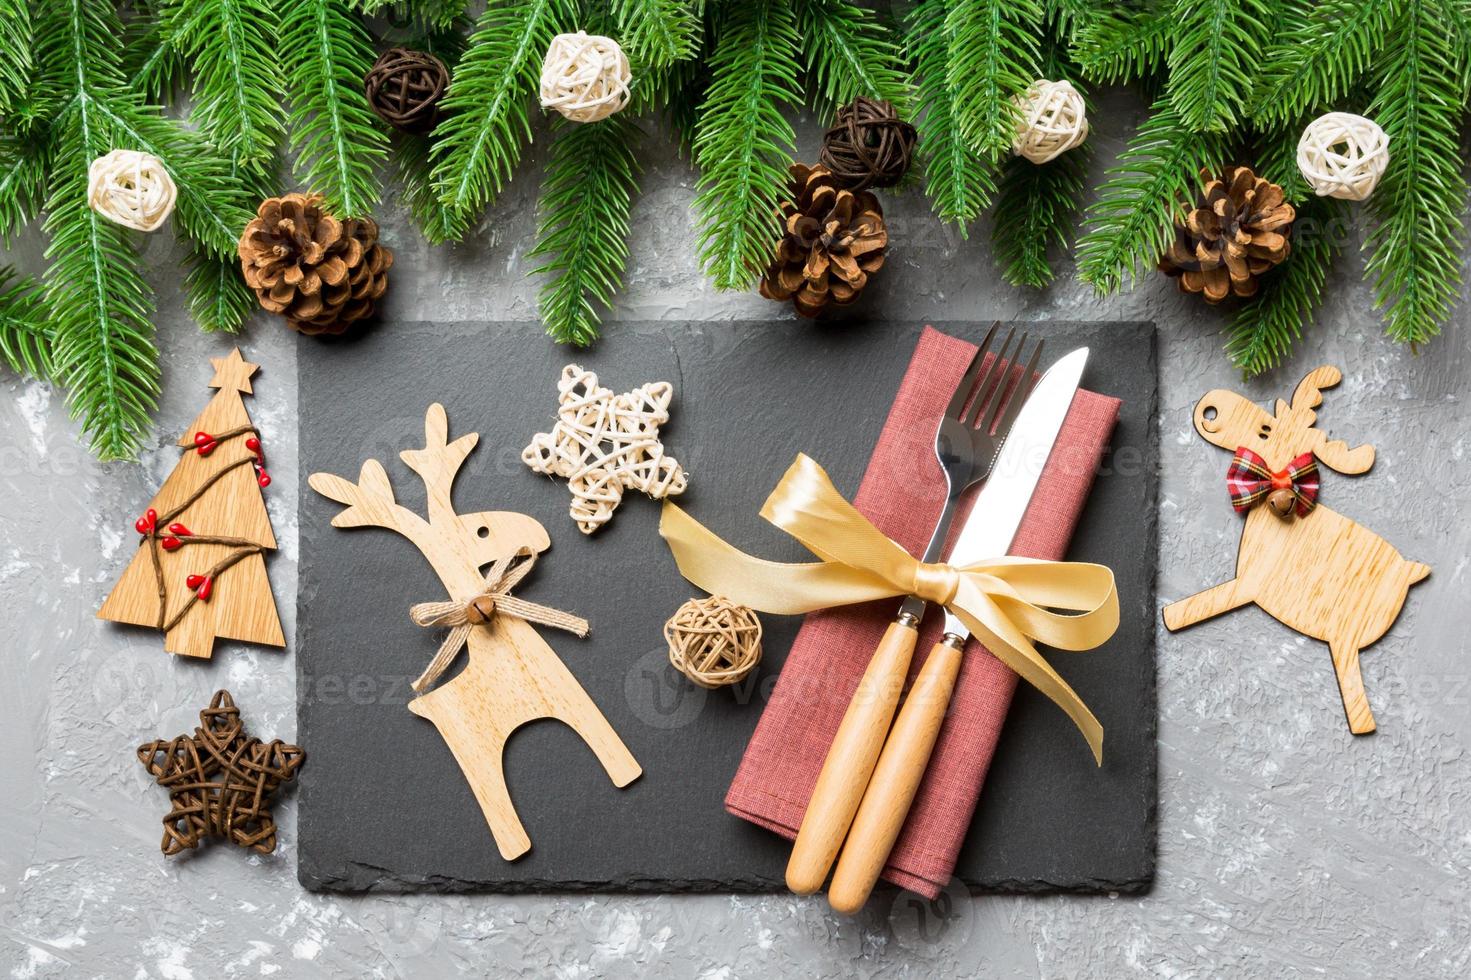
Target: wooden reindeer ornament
(513, 676)
(1310, 568)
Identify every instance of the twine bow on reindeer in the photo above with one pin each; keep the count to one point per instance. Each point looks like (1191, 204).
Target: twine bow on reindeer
(464, 616)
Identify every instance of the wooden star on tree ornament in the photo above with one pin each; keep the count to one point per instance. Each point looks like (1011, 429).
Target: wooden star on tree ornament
(220, 781)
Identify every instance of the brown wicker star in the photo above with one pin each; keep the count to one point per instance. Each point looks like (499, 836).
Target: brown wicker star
(220, 781)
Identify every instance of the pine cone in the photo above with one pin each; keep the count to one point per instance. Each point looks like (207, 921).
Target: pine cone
(320, 273)
(1237, 231)
(833, 240)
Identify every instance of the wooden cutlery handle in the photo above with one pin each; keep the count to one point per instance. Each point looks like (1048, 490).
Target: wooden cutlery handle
(895, 780)
(850, 760)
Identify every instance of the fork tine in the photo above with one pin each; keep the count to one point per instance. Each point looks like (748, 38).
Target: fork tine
(989, 386)
(963, 389)
(1004, 387)
(1024, 385)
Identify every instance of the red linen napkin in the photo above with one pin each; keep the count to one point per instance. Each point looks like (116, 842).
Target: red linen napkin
(901, 493)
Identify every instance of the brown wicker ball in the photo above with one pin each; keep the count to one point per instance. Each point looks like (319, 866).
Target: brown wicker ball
(404, 88)
(868, 145)
(713, 641)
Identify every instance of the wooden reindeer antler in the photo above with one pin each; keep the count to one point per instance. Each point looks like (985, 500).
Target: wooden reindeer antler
(438, 462)
(370, 501)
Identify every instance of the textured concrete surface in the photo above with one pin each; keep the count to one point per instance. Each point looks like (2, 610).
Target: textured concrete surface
(1287, 848)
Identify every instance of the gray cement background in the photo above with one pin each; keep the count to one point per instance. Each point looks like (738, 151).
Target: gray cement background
(1287, 848)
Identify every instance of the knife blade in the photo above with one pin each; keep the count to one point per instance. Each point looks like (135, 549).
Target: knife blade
(987, 533)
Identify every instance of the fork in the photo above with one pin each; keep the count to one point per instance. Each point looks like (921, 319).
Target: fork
(966, 444)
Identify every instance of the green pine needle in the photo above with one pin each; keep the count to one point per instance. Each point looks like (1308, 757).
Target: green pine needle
(23, 166)
(1117, 45)
(582, 231)
(413, 165)
(743, 142)
(1214, 53)
(334, 134)
(1130, 224)
(25, 326)
(848, 53)
(657, 33)
(958, 180)
(1264, 328)
(1035, 209)
(231, 47)
(479, 142)
(15, 52)
(1318, 53)
(993, 56)
(1416, 243)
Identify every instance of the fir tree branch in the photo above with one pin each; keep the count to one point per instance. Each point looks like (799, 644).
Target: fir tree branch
(1318, 53)
(23, 165)
(334, 134)
(848, 53)
(656, 33)
(958, 180)
(743, 143)
(1213, 55)
(217, 295)
(231, 47)
(993, 56)
(1035, 209)
(15, 53)
(413, 165)
(582, 231)
(479, 142)
(25, 327)
(1130, 223)
(1264, 328)
(1420, 202)
(102, 339)
(1123, 45)
(152, 48)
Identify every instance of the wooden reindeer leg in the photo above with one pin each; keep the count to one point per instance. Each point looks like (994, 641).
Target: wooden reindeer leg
(480, 752)
(1351, 686)
(1203, 605)
(582, 715)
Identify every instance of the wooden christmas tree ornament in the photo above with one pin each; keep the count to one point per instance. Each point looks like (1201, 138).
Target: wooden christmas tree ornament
(1310, 568)
(513, 676)
(200, 572)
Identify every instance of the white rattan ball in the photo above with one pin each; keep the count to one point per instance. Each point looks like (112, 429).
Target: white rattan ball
(131, 188)
(1343, 155)
(585, 77)
(1050, 120)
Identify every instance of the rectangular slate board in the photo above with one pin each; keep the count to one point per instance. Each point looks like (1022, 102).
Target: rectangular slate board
(383, 806)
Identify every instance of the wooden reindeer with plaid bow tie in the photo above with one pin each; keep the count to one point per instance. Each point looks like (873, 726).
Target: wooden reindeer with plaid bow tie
(1310, 568)
(513, 676)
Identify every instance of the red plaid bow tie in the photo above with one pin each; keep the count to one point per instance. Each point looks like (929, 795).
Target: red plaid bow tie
(1250, 481)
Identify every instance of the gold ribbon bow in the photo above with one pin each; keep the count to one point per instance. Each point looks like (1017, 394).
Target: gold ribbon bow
(464, 616)
(1000, 600)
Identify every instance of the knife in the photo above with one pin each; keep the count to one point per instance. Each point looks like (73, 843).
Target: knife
(987, 533)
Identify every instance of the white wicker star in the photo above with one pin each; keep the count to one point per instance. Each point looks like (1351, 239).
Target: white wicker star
(605, 443)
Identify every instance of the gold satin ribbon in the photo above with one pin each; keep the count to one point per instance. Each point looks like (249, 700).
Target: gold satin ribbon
(1000, 600)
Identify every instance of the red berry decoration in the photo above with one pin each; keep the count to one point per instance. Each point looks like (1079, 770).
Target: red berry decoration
(201, 586)
(147, 522)
(264, 479)
(204, 443)
(253, 444)
(171, 544)
(180, 530)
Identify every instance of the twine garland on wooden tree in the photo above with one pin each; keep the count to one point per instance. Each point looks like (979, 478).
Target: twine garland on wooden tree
(404, 88)
(1051, 119)
(220, 781)
(131, 188)
(1343, 155)
(713, 641)
(585, 77)
(604, 443)
(868, 145)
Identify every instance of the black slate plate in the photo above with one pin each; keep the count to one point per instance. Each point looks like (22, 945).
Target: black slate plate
(383, 804)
